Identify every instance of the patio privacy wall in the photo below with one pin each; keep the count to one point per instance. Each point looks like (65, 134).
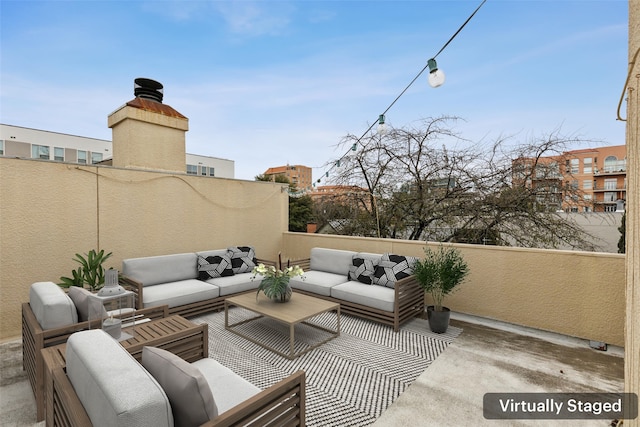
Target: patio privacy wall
(580, 294)
(49, 211)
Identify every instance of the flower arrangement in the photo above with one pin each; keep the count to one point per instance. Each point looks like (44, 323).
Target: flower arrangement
(275, 282)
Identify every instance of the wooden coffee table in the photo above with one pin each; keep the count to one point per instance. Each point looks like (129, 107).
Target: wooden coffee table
(176, 334)
(298, 310)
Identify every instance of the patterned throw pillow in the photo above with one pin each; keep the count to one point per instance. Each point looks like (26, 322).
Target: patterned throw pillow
(243, 258)
(214, 266)
(362, 269)
(392, 268)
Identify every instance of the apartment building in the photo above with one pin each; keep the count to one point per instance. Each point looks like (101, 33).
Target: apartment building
(297, 174)
(586, 180)
(28, 143)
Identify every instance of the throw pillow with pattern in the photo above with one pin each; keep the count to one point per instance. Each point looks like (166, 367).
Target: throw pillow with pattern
(392, 268)
(243, 258)
(362, 269)
(214, 266)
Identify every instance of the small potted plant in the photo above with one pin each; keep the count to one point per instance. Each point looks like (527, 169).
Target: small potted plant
(90, 272)
(439, 273)
(275, 282)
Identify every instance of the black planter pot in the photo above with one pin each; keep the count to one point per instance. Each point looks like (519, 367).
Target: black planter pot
(438, 320)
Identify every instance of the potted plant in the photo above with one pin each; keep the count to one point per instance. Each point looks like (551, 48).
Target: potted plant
(90, 272)
(275, 281)
(439, 273)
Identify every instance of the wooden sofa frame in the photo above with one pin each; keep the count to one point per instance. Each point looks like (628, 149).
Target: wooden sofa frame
(34, 339)
(282, 404)
(408, 301)
(185, 310)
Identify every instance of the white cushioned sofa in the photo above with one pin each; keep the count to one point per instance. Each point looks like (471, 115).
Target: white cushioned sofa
(49, 318)
(379, 287)
(191, 283)
(103, 385)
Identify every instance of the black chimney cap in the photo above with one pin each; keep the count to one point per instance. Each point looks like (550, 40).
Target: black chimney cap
(148, 89)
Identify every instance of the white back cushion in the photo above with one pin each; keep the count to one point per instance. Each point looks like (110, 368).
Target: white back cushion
(331, 260)
(161, 269)
(113, 387)
(51, 305)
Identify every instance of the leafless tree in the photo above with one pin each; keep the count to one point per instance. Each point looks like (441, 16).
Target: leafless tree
(429, 183)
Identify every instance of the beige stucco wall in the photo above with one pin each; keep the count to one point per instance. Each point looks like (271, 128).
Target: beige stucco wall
(580, 294)
(49, 211)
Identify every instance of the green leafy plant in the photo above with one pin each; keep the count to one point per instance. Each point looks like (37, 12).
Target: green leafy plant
(275, 282)
(90, 272)
(440, 272)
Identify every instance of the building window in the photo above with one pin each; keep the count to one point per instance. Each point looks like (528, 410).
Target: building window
(610, 184)
(58, 154)
(588, 209)
(212, 171)
(587, 165)
(82, 157)
(587, 184)
(203, 170)
(575, 166)
(1, 147)
(587, 197)
(610, 208)
(192, 169)
(610, 196)
(96, 158)
(40, 152)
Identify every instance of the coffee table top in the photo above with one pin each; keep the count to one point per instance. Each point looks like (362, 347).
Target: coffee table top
(299, 308)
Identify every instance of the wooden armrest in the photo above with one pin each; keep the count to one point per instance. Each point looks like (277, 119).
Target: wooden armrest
(267, 262)
(304, 263)
(281, 404)
(134, 286)
(68, 408)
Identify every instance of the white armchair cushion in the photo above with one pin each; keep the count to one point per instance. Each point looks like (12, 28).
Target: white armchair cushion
(51, 305)
(161, 269)
(187, 389)
(115, 390)
(86, 305)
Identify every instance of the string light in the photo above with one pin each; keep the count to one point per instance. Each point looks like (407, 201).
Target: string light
(436, 79)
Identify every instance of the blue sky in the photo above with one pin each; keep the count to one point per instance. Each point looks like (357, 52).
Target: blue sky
(266, 83)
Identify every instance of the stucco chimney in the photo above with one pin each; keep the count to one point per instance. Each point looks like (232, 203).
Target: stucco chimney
(148, 134)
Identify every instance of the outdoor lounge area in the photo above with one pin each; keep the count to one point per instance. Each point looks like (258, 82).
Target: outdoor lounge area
(486, 356)
(526, 320)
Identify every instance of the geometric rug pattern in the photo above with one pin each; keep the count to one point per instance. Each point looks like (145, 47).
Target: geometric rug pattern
(350, 380)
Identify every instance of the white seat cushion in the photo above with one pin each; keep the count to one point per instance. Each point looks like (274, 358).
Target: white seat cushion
(379, 297)
(113, 387)
(318, 282)
(228, 388)
(51, 305)
(240, 282)
(178, 293)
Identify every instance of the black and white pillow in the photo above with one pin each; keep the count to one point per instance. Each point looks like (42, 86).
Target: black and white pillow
(392, 268)
(362, 269)
(214, 266)
(243, 258)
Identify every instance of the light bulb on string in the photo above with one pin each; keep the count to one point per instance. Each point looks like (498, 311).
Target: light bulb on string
(382, 127)
(436, 76)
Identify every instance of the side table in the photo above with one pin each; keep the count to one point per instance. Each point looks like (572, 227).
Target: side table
(174, 333)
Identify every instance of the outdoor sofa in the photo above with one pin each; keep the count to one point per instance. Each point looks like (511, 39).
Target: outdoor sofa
(191, 283)
(49, 318)
(102, 384)
(379, 287)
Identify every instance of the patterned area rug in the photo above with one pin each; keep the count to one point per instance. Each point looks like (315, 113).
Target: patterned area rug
(350, 380)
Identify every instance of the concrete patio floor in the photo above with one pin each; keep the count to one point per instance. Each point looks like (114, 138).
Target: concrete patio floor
(487, 357)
